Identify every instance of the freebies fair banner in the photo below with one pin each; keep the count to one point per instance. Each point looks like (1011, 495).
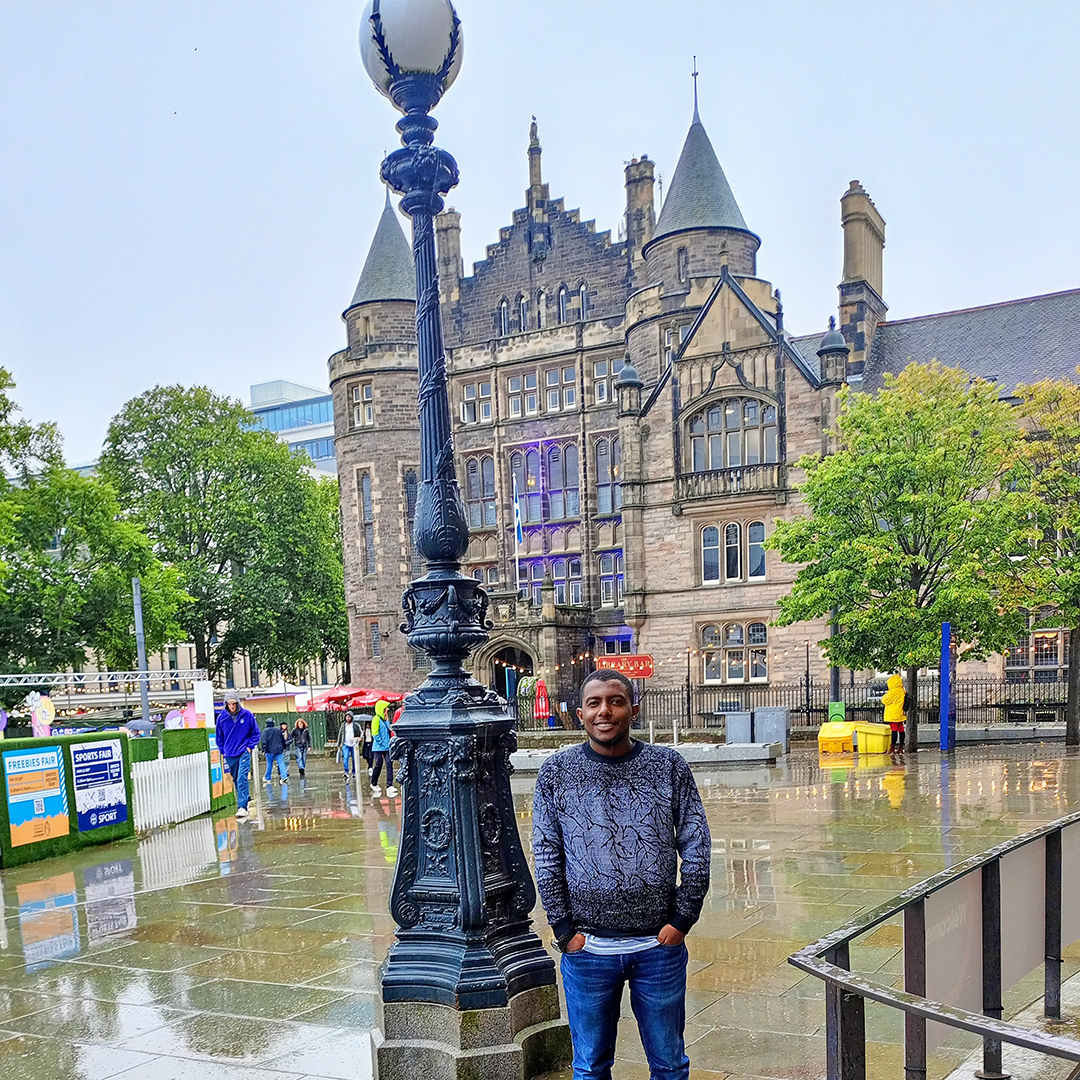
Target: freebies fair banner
(36, 795)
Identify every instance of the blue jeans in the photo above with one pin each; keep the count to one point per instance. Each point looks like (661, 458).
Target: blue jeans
(594, 986)
(239, 768)
(348, 758)
(301, 758)
(271, 761)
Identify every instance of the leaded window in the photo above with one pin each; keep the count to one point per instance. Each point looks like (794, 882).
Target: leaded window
(731, 434)
(735, 653)
(564, 494)
(526, 470)
(480, 492)
(608, 462)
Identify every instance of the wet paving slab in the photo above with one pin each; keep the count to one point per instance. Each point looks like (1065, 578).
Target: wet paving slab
(221, 950)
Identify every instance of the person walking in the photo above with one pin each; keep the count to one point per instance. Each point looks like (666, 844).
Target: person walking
(365, 747)
(301, 744)
(380, 747)
(893, 700)
(612, 819)
(273, 746)
(237, 734)
(347, 742)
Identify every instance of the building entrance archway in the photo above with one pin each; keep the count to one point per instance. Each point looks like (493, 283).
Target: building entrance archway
(509, 665)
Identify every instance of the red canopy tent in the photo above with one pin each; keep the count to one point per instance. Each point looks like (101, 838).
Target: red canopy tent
(341, 698)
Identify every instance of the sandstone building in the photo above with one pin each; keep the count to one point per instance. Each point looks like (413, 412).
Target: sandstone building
(649, 402)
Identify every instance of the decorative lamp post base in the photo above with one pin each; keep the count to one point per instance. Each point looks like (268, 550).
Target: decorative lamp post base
(519, 1041)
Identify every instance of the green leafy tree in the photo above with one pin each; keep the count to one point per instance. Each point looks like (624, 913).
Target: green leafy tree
(911, 524)
(1051, 474)
(239, 516)
(25, 448)
(67, 560)
(70, 566)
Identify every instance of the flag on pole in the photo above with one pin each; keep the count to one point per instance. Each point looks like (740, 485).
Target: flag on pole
(519, 536)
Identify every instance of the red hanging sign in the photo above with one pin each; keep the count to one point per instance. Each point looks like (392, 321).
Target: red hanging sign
(633, 667)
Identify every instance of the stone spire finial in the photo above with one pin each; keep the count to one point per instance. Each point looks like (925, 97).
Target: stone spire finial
(536, 179)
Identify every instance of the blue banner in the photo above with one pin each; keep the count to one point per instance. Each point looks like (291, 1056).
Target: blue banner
(100, 793)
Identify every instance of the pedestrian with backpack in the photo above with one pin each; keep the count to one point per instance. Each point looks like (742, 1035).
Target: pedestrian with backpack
(380, 746)
(273, 746)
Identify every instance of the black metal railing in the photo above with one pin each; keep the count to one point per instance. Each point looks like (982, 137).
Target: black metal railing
(978, 702)
(846, 993)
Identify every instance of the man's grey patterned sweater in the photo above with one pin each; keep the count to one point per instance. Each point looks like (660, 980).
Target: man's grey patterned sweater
(606, 832)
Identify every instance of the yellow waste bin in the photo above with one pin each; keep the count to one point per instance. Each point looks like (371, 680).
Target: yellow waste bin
(836, 737)
(873, 738)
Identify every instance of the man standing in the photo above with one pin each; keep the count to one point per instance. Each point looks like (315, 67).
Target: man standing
(237, 734)
(611, 819)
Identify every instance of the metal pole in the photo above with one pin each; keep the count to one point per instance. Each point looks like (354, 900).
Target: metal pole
(808, 682)
(834, 671)
(991, 958)
(140, 648)
(462, 890)
(915, 983)
(1052, 951)
(946, 716)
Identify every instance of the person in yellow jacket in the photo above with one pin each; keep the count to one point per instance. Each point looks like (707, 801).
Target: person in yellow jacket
(893, 700)
(380, 746)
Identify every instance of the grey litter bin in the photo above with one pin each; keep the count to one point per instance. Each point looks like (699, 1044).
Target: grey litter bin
(740, 729)
(772, 725)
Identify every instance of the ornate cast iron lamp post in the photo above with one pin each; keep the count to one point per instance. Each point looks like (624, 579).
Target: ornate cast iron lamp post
(462, 891)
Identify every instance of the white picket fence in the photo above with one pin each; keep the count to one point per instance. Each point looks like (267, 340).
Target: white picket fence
(170, 790)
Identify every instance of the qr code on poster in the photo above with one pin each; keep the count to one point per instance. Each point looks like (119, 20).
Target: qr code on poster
(39, 806)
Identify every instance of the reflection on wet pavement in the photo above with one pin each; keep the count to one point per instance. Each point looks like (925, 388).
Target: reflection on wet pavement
(225, 950)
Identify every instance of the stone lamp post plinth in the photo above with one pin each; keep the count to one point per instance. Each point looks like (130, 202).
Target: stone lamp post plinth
(467, 989)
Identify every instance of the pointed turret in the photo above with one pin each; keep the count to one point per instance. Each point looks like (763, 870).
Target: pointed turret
(701, 228)
(699, 195)
(388, 272)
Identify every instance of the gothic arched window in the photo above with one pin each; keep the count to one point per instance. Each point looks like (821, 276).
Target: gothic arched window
(732, 433)
(564, 302)
(504, 317)
(523, 313)
(564, 497)
(608, 490)
(583, 297)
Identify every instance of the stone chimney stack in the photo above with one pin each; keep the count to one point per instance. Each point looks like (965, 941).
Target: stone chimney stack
(640, 209)
(448, 242)
(862, 307)
(864, 237)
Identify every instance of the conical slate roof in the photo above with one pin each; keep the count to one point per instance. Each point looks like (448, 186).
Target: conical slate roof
(699, 196)
(388, 273)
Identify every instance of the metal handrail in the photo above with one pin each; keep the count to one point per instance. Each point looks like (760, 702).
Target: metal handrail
(827, 958)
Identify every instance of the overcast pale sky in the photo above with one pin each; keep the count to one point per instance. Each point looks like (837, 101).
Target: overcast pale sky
(188, 189)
